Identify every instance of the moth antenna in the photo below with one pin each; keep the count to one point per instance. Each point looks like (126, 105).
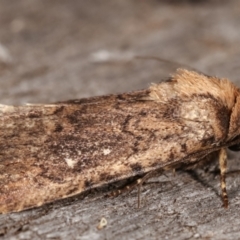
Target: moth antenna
(168, 62)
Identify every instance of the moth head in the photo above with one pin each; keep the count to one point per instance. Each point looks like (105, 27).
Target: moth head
(234, 126)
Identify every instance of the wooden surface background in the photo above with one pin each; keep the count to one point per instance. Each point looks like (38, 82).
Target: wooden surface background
(58, 50)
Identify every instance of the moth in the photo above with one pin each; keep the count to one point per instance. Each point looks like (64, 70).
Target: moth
(53, 151)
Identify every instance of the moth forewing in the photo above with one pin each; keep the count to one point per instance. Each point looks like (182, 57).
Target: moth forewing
(54, 151)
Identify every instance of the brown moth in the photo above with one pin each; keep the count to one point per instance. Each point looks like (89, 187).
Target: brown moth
(53, 151)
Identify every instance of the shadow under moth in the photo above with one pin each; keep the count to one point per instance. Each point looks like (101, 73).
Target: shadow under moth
(53, 151)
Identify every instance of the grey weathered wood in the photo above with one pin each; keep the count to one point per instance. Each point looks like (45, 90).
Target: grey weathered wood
(56, 49)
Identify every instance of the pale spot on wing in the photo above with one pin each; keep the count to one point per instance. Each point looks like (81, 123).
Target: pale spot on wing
(106, 151)
(70, 162)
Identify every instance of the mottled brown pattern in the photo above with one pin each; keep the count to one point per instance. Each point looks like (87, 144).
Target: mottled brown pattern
(49, 152)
